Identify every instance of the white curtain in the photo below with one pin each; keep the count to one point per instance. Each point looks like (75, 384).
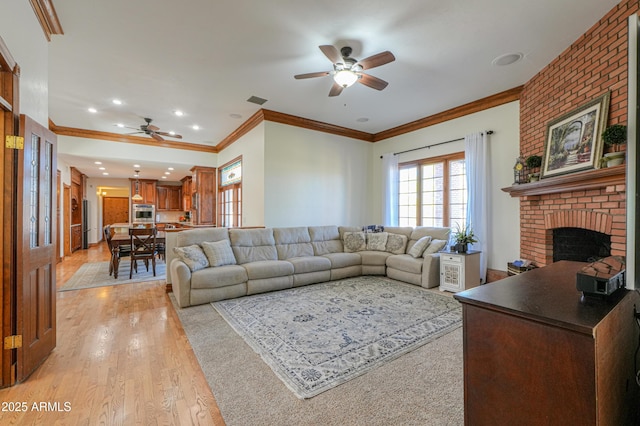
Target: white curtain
(478, 181)
(390, 189)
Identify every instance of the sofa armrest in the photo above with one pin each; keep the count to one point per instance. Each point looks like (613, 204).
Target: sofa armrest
(181, 282)
(431, 271)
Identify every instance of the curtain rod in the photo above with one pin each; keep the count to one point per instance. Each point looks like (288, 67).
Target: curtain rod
(488, 132)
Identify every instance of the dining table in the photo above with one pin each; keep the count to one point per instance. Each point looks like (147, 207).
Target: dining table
(120, 239)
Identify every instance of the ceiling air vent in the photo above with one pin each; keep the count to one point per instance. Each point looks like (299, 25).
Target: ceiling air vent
(256, 100)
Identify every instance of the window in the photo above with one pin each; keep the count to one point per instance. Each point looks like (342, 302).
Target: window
(433, 192)
(230, 194)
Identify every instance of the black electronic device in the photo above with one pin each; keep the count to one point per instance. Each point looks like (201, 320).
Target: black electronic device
(602, 277)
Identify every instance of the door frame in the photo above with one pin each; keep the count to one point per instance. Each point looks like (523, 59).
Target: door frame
(9, 126)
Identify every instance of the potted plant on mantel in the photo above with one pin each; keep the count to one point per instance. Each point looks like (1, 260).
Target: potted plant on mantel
(614, 136)
(463, 236)
(533, 163)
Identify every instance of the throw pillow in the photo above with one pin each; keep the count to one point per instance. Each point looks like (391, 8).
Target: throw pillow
(377, 241)
(396, 243)
(193, 256)
(420, 246)
(354, 241)
(435, 246)
(219, 253)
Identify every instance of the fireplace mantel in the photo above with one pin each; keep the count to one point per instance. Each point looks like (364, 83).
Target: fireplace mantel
(590, 179)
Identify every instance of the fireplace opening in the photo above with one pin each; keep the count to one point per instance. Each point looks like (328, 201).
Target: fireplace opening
(582, 245)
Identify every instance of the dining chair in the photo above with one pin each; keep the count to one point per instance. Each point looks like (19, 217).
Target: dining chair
(117, 252)
(143, 247)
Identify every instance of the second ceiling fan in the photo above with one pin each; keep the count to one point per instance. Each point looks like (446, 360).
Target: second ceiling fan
(154, 131)
(347, 70)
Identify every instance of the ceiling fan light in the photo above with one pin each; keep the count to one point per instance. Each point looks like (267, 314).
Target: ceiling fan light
(345, 78)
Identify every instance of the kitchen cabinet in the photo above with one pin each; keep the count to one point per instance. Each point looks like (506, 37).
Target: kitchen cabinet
(203, 205)
(187, 193)
(146, 188)
(168, 198)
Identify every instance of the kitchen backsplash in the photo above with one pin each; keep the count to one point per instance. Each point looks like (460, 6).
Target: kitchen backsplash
(162, 217)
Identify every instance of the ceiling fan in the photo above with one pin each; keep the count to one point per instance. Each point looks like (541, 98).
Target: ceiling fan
(348, 70)
(153, 131)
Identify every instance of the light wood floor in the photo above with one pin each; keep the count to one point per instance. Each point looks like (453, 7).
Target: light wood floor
(122, 358)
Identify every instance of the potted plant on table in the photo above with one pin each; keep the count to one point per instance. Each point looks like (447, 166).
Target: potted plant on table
(463, 236)
(533, 163)
(614, 136)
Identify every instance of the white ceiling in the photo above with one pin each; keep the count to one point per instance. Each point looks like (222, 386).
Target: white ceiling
(207, 58)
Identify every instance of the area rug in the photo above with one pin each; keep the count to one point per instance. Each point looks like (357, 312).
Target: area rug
(319, 336)
(96, 274)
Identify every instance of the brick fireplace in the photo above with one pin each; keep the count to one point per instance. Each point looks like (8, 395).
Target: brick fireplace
(594, 200)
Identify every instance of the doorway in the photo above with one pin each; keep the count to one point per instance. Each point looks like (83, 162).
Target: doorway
(115, 210)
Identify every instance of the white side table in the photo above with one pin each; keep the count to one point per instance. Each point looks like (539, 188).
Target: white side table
(459, 271)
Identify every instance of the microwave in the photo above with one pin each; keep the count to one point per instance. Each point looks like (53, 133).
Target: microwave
(144, 213)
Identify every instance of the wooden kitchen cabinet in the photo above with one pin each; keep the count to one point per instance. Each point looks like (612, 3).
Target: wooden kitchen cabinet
(146, 188)
(203, 206)
(168, 198)
(538, 352)
(187, 193)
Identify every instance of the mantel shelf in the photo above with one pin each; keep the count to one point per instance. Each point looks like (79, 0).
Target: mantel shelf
(590, 179)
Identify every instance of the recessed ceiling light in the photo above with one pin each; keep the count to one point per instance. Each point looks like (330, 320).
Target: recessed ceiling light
(167, 173)
(178, 113)
(164, 177)
(117, 102)
(136, 165)
(92, 110)
(195, 127)
(105, 173)
(507, 59)
(97, 162)
(170, 168)
(101, 168)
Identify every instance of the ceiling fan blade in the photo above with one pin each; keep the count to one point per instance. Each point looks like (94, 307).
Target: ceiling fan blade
(377, 60)
(373, 82)
(336, 89)
(152, 128)
(169, 135)
(311, 75)
(332, 53)
(157, 137)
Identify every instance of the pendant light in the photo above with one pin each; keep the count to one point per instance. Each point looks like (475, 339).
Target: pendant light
(137, 196)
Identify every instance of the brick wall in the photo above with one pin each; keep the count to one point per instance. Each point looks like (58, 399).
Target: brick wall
(592, 65)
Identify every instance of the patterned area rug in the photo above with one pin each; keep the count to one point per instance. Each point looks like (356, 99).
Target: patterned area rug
(96, 274)
(319, 336)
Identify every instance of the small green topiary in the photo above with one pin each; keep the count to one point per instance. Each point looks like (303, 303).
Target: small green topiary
(615, 135)
(533, 161)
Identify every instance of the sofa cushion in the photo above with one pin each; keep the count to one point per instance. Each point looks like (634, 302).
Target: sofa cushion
(325, 239)
(435, 246)
(262, 269)
(405, 262)
(221, 276)
(396, 243)
(198, 236)
(292, 242)
(192, 256)
(354, 241)
(377, 241)
(375, 258)
(253, 245)
(218, 253)
(419, 247)
(342, 260)
(303, 265)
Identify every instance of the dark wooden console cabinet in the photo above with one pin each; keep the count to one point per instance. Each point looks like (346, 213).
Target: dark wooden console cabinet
(537, 352)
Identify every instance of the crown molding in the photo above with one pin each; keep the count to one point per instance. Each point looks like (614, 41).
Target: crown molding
(117, 137)
(47, 16)
(292, 120)
(457, 112)
(244, 128)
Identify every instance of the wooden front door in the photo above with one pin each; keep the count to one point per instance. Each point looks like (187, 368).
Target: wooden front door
(36, 289)
(115, 210)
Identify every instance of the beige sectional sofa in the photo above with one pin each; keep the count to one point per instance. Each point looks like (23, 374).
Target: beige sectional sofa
(250, 261)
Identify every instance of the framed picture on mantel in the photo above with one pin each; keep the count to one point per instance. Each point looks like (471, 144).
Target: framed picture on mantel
(574, 141)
